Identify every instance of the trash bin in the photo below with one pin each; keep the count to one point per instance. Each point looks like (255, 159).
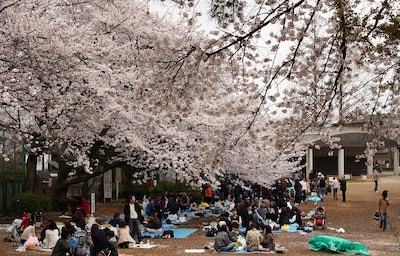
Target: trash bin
(38, 219)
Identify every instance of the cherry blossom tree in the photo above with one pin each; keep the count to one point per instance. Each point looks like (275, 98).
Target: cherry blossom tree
(319, 62)
(105, 83)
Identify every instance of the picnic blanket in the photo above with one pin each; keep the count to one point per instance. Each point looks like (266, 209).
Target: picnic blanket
(313, 199)
(292, 228)
(178, 232)
(246, 252)
(337, 245)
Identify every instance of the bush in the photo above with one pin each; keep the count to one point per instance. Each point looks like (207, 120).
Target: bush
(31, 202)
(139, 190)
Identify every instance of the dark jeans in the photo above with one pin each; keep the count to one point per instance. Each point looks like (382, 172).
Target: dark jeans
(344, 195)
(383, 221)
(134, 227)
(376, 186)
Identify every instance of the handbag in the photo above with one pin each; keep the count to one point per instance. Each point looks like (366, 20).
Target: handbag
(376, 216)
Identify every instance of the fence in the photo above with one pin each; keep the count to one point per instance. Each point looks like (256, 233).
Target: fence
(12, 171)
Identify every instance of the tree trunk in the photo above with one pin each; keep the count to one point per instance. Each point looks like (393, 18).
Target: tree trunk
(60, 192)
(30, 181)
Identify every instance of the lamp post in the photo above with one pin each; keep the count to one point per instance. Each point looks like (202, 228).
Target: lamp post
(44, 186)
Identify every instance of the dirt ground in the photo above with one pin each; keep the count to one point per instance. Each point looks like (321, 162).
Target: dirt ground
(355, 216)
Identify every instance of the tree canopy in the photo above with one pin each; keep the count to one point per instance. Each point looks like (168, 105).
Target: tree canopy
(109, 82)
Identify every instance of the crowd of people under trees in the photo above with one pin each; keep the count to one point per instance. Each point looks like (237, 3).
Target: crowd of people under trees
(249, 211)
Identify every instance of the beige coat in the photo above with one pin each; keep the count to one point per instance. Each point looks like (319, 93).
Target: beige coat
(253, 240)
(123, 235)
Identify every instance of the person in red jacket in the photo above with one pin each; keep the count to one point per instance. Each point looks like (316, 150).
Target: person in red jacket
(83, 205)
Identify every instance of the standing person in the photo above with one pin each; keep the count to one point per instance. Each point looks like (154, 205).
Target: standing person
(383, 204)
(62, 246)
(298, 188)
(208, 194)
(335, 186)
(321, 187)
(311, 178)
(343, 188)
(376, 179)
(303, 183)
(133, 217)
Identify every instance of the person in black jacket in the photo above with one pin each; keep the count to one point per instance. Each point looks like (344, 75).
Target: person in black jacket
(99, 240)
(62, 245)
(134, 218)
(343, 188)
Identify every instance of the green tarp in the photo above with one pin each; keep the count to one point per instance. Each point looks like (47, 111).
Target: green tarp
(336, 244)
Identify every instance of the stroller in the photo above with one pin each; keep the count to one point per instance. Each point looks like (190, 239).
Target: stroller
(319, 217)
(14, 232)
(80, 243)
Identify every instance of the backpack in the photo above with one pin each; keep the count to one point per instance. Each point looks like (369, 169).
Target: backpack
(73, 243)
(168, 234)
(211, 233)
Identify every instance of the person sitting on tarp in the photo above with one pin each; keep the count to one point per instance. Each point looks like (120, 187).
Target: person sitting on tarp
(116, 221)
(224, 220)
(124, 236)
(236, 219)
(172, 206)
(222, 241)
(254, 238)
(152, 224)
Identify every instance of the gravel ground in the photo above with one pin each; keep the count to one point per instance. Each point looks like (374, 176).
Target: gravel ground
(355, 216)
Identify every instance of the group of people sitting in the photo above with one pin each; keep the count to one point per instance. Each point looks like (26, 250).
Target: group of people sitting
(258, 238)
(255, 220)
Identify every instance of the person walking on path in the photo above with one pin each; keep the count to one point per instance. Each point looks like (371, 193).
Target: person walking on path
(376, 179)
(343, 188)
(383, 204)
(335, 186)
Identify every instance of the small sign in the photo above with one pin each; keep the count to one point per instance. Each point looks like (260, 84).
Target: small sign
(107, 176)
(92, 203)
(118, 177)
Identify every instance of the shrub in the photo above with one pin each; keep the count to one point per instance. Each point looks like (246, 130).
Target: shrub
(139, 190)
(31, 202)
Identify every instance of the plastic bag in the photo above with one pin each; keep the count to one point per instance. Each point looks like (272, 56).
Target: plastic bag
(240, 243)
(31, 242)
